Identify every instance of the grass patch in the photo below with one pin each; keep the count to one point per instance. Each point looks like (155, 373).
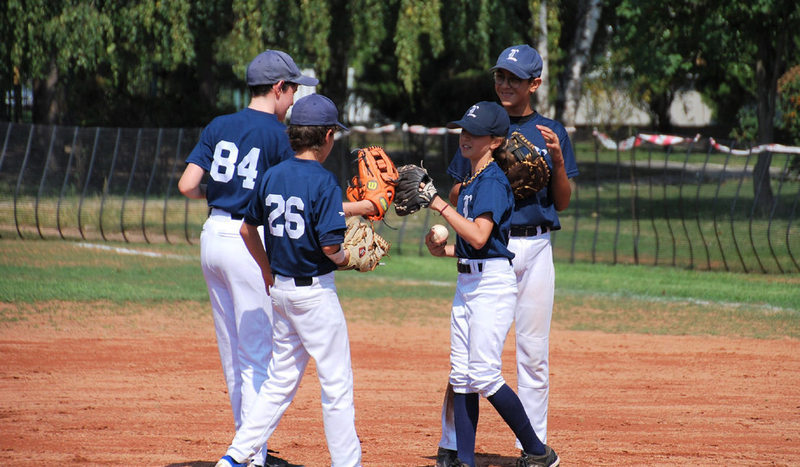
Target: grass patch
(670, 284)
(43, 271)
(43, 277)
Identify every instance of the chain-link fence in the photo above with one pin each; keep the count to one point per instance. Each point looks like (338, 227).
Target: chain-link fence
(687, 206)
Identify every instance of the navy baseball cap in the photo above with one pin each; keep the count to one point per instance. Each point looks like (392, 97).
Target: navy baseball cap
(522, 60)
(272, 66)
(484, 118)
(315, 110)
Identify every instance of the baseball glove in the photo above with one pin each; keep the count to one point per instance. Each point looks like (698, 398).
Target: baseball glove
(415, 190)
(365, 246)
(375, 181)
(524, 165)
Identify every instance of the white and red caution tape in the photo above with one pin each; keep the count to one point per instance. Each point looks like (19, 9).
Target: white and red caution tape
(624, 145)
(416, 129)
(668, 140)
(406, 128)
(423, 130)
(779, 148)
(636, 141)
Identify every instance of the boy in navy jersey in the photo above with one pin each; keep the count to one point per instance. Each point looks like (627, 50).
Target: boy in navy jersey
(236, 150)
(517, 75)
(486, 290)
(299, 203)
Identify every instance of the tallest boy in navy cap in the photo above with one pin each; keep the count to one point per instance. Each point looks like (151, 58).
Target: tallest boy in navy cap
(235, 150)
(517, 75)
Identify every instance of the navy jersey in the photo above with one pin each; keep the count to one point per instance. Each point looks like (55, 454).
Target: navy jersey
(300, 204)
(537, 210)
(236, 149)
(489, 192)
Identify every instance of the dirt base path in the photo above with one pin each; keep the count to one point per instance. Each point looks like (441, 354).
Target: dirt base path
(147, 390)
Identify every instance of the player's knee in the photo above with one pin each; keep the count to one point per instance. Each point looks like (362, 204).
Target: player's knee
(535, 382)
(486, 386)
(531, 351)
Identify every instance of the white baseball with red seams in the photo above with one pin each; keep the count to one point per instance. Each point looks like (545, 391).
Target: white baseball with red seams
(440, 233)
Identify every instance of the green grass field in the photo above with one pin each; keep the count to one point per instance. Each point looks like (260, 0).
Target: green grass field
(37, 275)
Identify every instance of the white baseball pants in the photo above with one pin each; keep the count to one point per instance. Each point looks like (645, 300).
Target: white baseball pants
(308, 322)
(241, 310)
(533, 266)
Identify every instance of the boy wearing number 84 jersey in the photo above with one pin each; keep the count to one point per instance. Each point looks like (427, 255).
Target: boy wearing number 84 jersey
(299, 203)
(236, 150)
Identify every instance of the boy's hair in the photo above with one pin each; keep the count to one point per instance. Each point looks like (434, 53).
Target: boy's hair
(260, 90)
(264, 89)
(308, 137)
(500, 151)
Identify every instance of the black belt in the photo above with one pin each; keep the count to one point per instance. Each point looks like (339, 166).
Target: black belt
(466, 268)
(300, 281)
(303, 281)
(237, 217)
(528, 230)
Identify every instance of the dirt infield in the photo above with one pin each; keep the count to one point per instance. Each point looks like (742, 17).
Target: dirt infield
(146, 389)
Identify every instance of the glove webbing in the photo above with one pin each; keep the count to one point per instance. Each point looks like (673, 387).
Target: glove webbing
(518, 151)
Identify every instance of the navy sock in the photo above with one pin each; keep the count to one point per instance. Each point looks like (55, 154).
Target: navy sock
(465, 412)
(508, 405)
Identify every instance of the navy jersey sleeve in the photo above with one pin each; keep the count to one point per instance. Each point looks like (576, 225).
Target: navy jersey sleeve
(330, 216)
(254, 212)
(570, 163)
(202, 152)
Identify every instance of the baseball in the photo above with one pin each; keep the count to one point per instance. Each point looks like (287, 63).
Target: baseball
(440, 233)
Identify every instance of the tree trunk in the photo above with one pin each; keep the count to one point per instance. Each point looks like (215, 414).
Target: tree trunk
(207, 83)
(17, 103)
(768, 66)
(46, 109)
(659, 111)
(579, 58)
(541, 97)
(334, 83)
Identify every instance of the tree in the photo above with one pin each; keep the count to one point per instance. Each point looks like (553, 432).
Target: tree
(440, 81)
(546, 31)
(771, 23)
(112, 62)
(579, 58)
(757, 41)
(25, 51)
(789, 103)
(733, 52)
(655, 42)
(122, 63)
(327, 36)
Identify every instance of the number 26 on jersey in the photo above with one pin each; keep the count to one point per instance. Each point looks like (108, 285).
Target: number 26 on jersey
(290, 211)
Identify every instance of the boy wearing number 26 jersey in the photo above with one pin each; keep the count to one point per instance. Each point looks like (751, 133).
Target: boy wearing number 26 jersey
(299, 203)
